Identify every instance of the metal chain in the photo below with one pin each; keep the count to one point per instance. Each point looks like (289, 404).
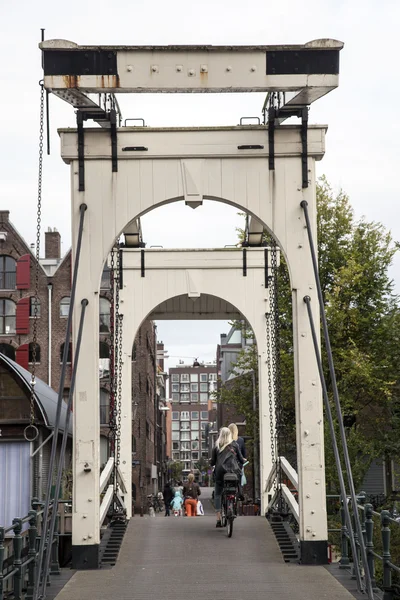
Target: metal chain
(33, 430)
(268, 319)
(118, 354)
(111, 422)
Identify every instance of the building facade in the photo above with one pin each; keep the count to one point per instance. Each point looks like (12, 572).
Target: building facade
(192, 404)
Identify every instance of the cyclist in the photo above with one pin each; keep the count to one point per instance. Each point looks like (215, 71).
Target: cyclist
(223, 449)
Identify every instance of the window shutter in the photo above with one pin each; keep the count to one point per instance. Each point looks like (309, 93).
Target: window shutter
(22, 323)
(22, 356)
(24, 272)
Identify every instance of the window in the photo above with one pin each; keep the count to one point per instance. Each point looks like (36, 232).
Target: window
(194, 377)
(175, 426)
(185, 425)
(195, 414)
(204, 455)
(185, 456)
(104, 350)
(204, 415)
(185, 435)
(203, 425)
(32, 306)
(175, 387)
(195, 445)
(184, 415)
(203, 398)
(185, 387)
(104, 407)
(185, 377)
(175, 445)
(195, 456)
(212, 377)
(105, 278)
(185, 445)
(8, 350)
(194, 387)
(185, 398)
(31, 348)
(104, 315)
(175, 456)
(194, 397)
(64, 306)
(7, 317)
(175, 398)
(69, 357)
(203, 377)
(195, 425)
(133, 491)
(204, 445)
(203, 387)
(174, 377)
(175, 416)
(8, 270)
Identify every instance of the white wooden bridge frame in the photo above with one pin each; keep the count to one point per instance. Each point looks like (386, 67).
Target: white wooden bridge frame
(151, 167)
(183, 164)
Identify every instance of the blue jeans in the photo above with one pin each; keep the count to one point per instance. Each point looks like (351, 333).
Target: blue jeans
(219, 486)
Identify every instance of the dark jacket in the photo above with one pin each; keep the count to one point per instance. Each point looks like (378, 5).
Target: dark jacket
(242, 447)
(216, 455)
(168, 494)
(191, 490)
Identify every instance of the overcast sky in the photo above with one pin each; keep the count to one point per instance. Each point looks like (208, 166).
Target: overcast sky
(362, 145)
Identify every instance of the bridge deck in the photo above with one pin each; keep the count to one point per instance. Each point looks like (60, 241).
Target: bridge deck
(181, 558)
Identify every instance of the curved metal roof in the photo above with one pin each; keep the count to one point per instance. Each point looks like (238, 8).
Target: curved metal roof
(46, 398)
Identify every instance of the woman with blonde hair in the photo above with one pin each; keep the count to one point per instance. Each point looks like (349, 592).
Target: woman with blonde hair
(236, 438)
(191, 492)
(223, 446)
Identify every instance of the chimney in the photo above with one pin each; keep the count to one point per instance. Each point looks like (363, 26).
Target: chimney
(52, 243)
(4, 216)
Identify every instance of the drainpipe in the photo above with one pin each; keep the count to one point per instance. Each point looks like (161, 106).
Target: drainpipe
(50, 290)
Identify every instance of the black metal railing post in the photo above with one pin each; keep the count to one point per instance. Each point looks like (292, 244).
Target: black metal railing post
(55, 565)
(344, 561)
(346, 456)
(2, 536)
(386, 557)
(369, 544)
(362, 498)
(356, 555)
(32, 552)
(17, 564)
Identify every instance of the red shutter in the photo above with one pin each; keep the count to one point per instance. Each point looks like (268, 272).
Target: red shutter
(22, 356)
(24, 272)
(23, 316)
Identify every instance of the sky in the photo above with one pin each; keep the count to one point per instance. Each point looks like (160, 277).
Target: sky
(362, 144)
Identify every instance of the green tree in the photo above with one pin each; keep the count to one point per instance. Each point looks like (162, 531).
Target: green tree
(176, 470)
(364, 323)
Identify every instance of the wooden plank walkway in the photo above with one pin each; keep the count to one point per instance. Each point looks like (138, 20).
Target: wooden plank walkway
(180, 558)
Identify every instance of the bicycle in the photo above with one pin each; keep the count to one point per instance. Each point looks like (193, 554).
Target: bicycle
(229, 502)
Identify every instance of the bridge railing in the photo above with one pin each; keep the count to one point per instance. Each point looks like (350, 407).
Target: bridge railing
(282, 487)
(19, 551)
(107, 486)
(385, 575)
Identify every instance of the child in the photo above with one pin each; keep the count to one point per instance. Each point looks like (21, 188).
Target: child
(177, 504)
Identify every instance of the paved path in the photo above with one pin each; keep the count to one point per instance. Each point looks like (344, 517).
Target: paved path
(188, 559)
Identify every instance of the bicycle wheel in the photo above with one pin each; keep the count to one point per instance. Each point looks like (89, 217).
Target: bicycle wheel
(223, 512)
(229, 519)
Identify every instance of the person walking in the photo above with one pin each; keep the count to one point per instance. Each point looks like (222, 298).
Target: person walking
(223, 448)
(168, 496)
(191, 492)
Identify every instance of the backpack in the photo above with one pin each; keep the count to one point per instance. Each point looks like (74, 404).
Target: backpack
(228, 463)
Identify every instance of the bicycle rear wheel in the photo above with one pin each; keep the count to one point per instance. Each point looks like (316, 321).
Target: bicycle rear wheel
(229, 519)
(223, 513)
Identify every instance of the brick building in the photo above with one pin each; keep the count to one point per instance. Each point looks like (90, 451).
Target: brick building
(192, 408)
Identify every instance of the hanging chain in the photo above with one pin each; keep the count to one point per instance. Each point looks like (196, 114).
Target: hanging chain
(111, 422)
(118, 355)
(33, 432)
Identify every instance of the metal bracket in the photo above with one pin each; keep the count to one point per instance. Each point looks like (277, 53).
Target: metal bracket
(271, 138)
(81, 151)
(121, 269)
(244, 262)
(304, 157)
(114, 150)
(266, 277)
(142, 266)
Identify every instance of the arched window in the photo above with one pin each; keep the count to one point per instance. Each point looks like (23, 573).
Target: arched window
(69, 357)
(31, 347)
(64, 306)
(104, 350)
(104, 315)
(8, 350)
(7, 317)
(32, 306)
(8, 270)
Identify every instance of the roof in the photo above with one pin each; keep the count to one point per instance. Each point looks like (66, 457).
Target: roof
(46, 398)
